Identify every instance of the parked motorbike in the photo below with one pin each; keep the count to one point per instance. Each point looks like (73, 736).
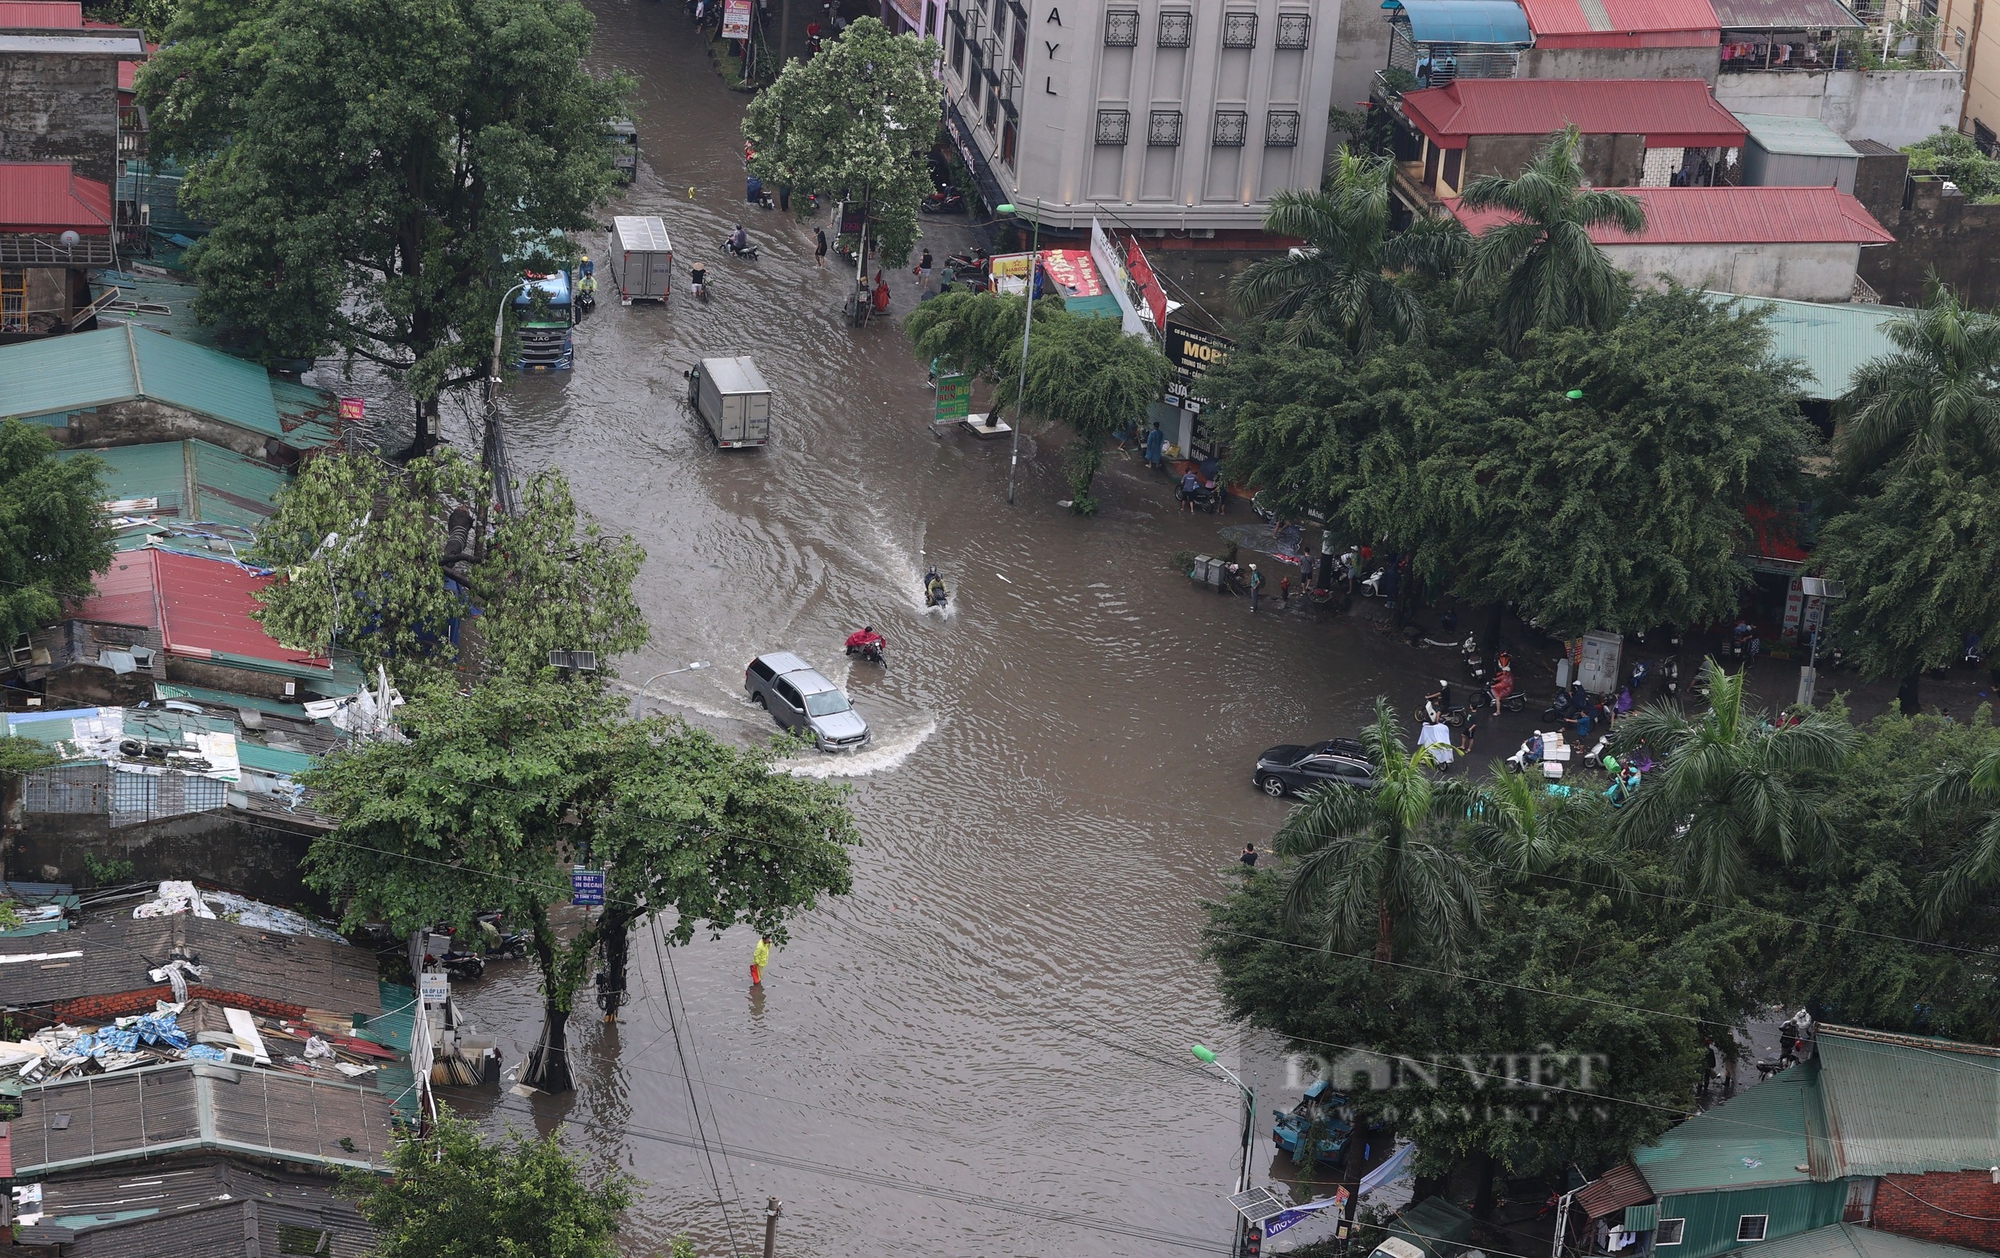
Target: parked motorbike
(456, 961)
(1670, 677)
(946, 201)
(1641, 670)
(1371, 585)
(1475, 659)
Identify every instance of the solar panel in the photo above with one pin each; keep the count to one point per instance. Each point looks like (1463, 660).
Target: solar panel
(1258, 1204)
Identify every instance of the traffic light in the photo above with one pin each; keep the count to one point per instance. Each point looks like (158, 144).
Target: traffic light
(1253, 1241)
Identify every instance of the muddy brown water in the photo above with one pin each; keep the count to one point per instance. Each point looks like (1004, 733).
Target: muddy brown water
(983, 1049)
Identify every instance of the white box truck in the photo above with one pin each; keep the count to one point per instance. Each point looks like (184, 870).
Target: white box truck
(733, 400)
(641, 258)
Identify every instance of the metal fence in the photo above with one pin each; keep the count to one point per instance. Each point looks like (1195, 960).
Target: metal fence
(126, 798)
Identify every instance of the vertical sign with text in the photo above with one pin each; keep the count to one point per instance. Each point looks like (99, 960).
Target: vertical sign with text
(586, 886)
(736, 19)
(954, 399)
(1192, 352)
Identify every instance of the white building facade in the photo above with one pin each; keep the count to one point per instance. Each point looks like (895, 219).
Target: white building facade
(1151, 115)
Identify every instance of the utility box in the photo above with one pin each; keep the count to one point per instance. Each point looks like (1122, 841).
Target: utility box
(641, 258)
(733, 400)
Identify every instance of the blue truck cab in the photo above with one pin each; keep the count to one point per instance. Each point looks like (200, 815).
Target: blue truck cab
(547, 309)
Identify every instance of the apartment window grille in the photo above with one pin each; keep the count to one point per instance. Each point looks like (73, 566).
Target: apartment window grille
(1239, 30)
(1176, 28)
(1230, 127)
(1281, 128)
(1294, 29)
(1751, 1227)
(1020, 45)
(993, 111)
(1163, 128)
(1670, 1233)
(1121, 28)
(1114, 126)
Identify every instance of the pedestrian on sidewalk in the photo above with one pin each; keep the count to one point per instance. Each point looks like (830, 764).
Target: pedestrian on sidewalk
(819, 246)
(1469, 731)
(924, 265)
(1190, 486)
(1249, 857)
(1256, 584)
(1285, 590)
(760, 956)
(1156, 444)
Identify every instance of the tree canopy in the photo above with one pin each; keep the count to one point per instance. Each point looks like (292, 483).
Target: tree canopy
(857, 120)
(368, 163)
(53, 530)
(457, 1194)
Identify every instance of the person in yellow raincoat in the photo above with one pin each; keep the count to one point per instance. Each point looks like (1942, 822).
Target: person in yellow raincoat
(760, 956)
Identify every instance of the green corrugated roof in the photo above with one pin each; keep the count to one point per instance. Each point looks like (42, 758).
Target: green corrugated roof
(196, 483)
(1831, 340)
(1799, 137)
(222, 698)
(1905, 1105)
(149, 471)
(272, 760)
(1642, 1218)
(1847, 1240)
(205, 380)
(57, 374)
(1757, 1137)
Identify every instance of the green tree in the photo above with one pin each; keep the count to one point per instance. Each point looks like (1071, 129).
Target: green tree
(1091, 377)
(973, 333)
(1622, 509)
(1339, 286)
(1731, 790)
(1962, 798)
(1948, 154)
(358, 545)
(1941, 385)
(456, 1194)
(1916, 555)
(1383, 867)
(368, 163)
(53, 531)
(857, 121)
(496, 793)
(1540, 267)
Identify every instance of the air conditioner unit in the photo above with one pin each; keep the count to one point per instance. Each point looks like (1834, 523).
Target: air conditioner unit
(145, 213)
(1202, 233)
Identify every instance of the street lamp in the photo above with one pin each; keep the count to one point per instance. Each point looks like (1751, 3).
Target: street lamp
(1206, 1055)
(1027, 325)
(1826, 591)
(690, 667)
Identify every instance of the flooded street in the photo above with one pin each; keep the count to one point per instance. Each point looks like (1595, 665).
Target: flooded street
(982, 1050)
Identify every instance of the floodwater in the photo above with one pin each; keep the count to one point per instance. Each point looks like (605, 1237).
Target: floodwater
(984, 1049)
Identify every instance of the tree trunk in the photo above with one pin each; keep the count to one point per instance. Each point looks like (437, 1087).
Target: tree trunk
(1384, 953)
(1352, 1166)
(1485, 1200)
(617, 945)
(1491, 646)
(548, 1065)
(1908, 693)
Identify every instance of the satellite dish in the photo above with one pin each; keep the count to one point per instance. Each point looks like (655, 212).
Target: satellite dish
(71, 239)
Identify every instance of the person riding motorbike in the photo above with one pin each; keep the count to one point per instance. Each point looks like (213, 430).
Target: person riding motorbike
(934, 591)
(866, 643)
(739, 240)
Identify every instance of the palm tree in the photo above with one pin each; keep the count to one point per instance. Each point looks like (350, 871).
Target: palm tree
(1727, 788)
(1522, 830)
(1340, 283)
(1943, 797)
(1385, 863)
(1942, 382)
(1542, 266)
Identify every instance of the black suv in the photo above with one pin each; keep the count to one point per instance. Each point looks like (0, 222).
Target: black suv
(1293, 770)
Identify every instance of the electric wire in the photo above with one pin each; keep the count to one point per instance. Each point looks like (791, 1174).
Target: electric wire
(694, 1112)
(673, 995)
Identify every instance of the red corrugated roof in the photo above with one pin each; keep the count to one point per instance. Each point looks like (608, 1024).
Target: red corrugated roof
(64, 15)
(1670, 113)
(50, 197)
(201, 606)
(1623, 23)
(1716, 216)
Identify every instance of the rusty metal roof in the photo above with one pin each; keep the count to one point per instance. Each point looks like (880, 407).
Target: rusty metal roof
(1611, 1192)
(1898, 1104)
(1784, 15)
(209, 1206)
(1722, 215)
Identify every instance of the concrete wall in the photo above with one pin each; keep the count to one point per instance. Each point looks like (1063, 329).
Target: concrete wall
(223, 848)
(1795, 170)
(1897, 107)
(1804, 272)
(1957, 239)
(1609, 161)
(1363, 48)
(1620, 63)
(60, 108)
(1974, 43)
(144, 421)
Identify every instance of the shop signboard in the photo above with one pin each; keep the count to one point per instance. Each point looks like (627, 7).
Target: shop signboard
(954, 398)
(736, 19)
(1192, 352)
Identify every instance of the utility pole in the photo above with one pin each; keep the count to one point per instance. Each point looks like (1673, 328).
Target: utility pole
(1027, 326)
(772, 1209)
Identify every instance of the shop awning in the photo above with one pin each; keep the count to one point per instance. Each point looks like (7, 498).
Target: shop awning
(1467, 22)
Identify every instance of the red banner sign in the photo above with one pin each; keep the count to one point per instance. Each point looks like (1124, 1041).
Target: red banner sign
(353, 408)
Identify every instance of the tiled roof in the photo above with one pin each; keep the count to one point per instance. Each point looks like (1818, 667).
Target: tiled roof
(57, 375)
(207, 1206)
(1898, 1104)
(50, 197)
(1670, 113)
(179, 1107)
(118, 951)
(1622, 23)
(1722, 215)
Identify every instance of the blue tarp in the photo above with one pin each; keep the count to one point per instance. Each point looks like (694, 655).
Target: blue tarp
(1467, 22)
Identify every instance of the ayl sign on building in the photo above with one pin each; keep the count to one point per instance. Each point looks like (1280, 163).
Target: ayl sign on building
(1192, 352)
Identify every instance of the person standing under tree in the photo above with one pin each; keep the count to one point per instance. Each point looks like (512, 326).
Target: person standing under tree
(760, 956)
(819, 246)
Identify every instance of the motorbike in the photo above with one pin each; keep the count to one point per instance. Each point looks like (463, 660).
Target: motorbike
(747, 252)
(944, 201)
(1211, 499)
(935, 594)
(456, 961)
(1483, 702)
(1475, 659)
(1670, 676)
(1371, 585)
(870, 650)
(1641, 670)
(507, 943)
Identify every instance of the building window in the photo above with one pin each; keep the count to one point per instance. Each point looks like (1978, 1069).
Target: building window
(1751, 1227)
(1293, 29)
(1163, 128)
(1000, 23)
(1670, 1232)
(1114, 126)
(1121, 28)
(1008, 138)
(1176, 28)
(13, 301)
(1239, 30)
(958, 54)
(1281, 128)
(1020, 45)
(993, 111)
(1230, 126)
(974, 84)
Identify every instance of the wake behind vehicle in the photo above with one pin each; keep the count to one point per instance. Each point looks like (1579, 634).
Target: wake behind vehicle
(733, 400)
(1292, 769)
(935, 594)
(798, 697)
